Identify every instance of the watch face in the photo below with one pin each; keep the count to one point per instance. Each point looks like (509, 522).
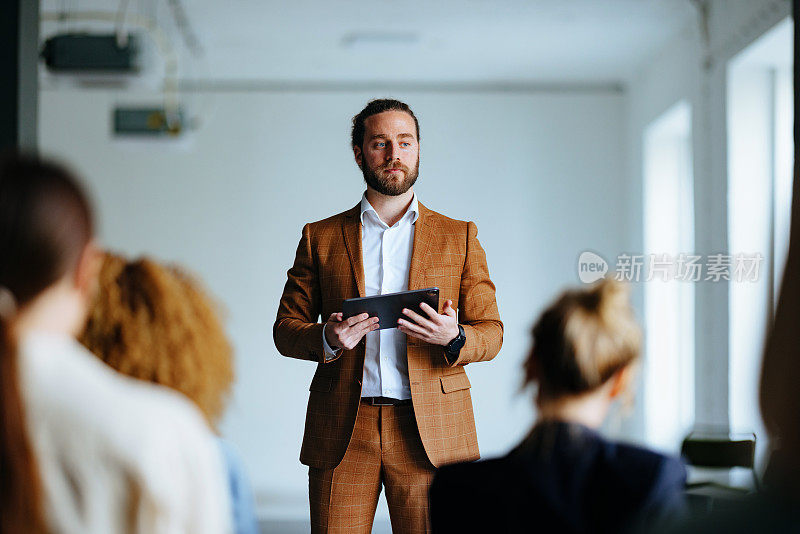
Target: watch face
(458, 342)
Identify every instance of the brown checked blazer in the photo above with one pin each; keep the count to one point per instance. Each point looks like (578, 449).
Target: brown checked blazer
(328, 269)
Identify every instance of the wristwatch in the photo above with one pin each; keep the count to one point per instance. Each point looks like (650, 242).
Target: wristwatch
(454, 347)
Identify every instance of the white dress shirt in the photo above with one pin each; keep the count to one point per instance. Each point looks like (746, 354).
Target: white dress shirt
(117, 454)
(387, 259)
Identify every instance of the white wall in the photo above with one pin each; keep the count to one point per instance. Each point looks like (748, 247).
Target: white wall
(543, 176)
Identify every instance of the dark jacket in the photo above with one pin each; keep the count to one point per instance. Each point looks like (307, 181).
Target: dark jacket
(563, 478)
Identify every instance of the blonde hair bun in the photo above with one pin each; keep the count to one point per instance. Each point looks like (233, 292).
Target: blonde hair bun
(582, 339)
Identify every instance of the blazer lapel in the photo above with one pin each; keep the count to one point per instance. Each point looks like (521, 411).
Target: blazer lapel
(351, 228)
(423, 234)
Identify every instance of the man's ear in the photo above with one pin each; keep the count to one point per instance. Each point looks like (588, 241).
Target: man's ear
(88, 269)
(620, 381)
(358, 155)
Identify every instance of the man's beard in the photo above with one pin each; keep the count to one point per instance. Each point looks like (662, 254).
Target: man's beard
(381, 182)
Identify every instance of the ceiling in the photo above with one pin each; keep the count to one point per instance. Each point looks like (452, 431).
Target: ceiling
(417, 41)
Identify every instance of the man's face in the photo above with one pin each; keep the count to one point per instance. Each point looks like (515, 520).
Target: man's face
(389, 158)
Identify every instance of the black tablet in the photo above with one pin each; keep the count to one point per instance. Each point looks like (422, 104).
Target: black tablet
(388, 308)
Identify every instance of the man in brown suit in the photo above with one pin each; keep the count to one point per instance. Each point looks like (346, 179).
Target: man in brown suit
(387, 406)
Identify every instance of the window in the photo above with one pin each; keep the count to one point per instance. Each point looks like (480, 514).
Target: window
(669, 304)
(760, 156)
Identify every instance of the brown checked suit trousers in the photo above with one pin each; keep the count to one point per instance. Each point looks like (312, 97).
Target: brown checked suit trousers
(439, 428)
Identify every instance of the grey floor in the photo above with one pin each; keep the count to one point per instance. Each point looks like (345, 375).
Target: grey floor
(303, 527)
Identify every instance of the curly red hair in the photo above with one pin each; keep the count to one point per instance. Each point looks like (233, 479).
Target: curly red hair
(156, 323)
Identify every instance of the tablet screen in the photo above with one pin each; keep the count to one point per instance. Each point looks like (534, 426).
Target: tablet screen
(388, 308)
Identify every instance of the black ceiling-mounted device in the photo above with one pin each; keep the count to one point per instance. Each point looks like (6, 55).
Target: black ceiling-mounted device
(81, 52)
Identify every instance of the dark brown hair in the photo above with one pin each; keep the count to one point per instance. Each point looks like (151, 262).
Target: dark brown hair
(582, 340)
(156, 323)
(373, 108)
(45, 224)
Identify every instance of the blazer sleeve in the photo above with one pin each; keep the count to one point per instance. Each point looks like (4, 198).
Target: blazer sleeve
(297, 332)
(477, 306)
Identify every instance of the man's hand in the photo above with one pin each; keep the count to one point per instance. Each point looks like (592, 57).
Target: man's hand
(346, 333)
(435, 328)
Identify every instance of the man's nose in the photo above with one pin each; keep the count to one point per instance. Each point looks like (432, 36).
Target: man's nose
(393, 153)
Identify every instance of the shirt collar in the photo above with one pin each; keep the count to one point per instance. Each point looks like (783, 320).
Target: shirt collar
(413, 209)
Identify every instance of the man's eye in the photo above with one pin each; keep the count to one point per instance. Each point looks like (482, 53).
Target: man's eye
(405, 144)
(380, 145)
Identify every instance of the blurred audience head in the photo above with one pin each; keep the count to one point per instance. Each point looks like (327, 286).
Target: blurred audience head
(156, 323)
(46, 276)
(585, 342)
